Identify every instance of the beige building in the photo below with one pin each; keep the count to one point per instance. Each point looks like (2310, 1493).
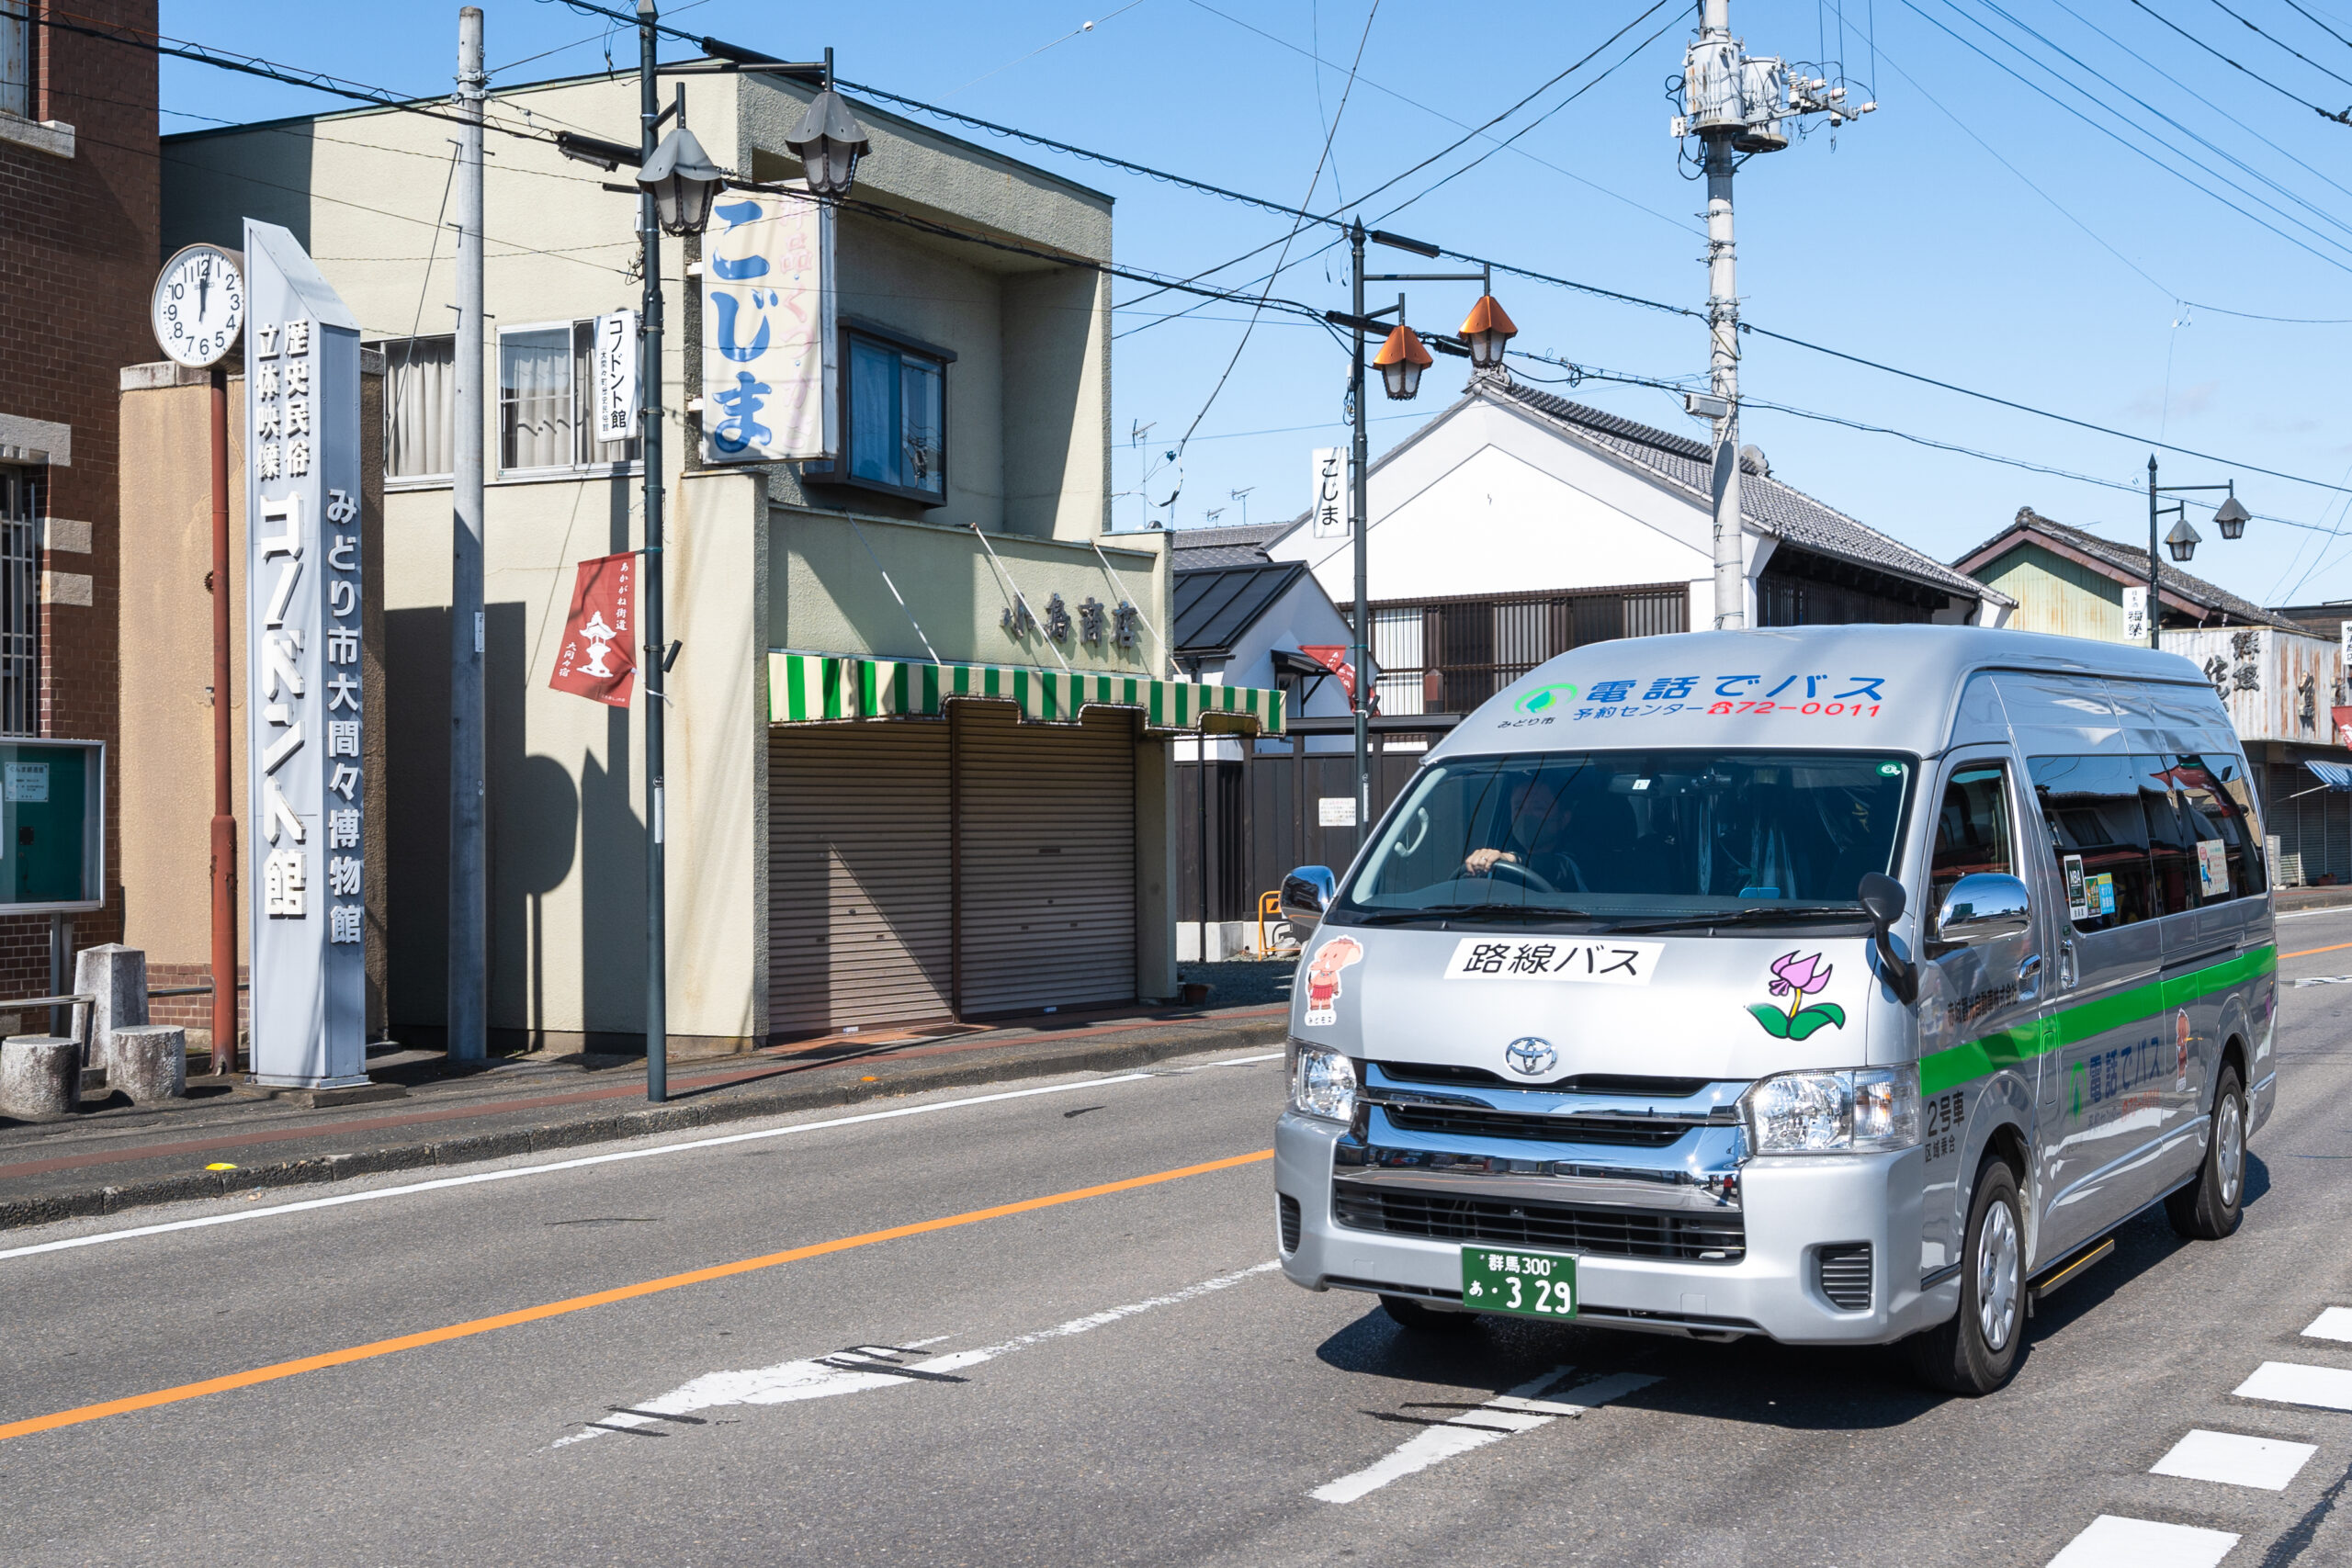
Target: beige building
(890, 795)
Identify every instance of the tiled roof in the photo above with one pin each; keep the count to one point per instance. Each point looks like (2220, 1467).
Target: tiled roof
(1214, 606)
(1241, 546)
(2131, 564)
(1764, 501)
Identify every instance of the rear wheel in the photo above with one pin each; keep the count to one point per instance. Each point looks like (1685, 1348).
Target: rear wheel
(2209, 1207)
(1976, 1352)
(1420, 1318)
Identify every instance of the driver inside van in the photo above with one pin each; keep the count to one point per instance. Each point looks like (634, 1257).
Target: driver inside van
(1534, 831)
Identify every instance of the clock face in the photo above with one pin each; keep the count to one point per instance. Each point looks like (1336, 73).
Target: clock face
(199, 305)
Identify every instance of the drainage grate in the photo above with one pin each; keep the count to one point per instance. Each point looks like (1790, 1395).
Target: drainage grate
(1289, 1207)
(1845, 1275)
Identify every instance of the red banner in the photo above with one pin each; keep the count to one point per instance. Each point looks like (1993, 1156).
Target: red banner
(1334, 657)
(2343, 718)
(598, 658)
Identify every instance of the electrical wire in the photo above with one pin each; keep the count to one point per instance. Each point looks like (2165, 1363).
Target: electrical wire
(2290, 49)
(2341, 116)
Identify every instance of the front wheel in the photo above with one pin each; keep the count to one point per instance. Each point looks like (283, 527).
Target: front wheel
(1976, 1352)
(2209, 1207)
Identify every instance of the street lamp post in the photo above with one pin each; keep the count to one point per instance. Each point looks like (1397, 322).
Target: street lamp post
(1403, 356)
(2182, 542)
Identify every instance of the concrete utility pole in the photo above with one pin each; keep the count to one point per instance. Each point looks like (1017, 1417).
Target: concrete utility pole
(1360, 485)
(657, 933)
(1723, 360)
(468, 871)
(1735, 103)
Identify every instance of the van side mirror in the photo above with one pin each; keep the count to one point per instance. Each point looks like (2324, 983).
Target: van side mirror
(1306, 893)
(1883, 899)
(1983, 905)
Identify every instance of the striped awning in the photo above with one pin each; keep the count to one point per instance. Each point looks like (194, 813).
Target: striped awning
(820, 688)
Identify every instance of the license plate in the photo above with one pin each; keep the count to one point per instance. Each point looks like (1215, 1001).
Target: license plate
(1532, 1284)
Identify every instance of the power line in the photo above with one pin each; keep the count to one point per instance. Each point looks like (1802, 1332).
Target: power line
(2288, 47)
(2341, 116)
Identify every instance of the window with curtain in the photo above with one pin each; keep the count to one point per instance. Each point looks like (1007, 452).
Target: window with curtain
(547, 402)
(420, 400)
(897, 401)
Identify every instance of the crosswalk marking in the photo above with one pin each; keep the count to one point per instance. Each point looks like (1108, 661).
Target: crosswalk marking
(2336, 1323)
(2116, 1542)
(1522, 1409)
(2291, 1382)
(2235, 1460)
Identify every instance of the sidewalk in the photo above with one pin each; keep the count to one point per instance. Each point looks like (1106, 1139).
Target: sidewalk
(227, 1138)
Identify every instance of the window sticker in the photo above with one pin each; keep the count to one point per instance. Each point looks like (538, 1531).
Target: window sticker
(2213, 867)
(2077, 895)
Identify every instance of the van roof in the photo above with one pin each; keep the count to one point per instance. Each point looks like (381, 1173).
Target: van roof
(1873, 688)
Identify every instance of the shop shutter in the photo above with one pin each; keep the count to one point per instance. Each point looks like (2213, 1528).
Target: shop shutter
(860, 928)
(1047, 859)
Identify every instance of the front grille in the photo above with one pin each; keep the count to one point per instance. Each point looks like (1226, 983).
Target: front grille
(1845, 1275)
(1477, 1121)
(1582, 1083)
(1573, 1227)
(1288, 1207)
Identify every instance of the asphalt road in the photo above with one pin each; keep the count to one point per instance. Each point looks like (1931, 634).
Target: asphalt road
(917, 1360)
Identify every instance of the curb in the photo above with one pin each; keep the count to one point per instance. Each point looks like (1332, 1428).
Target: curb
(716, 1109)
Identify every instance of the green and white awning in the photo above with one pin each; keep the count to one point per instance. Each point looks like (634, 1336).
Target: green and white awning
(820, 688)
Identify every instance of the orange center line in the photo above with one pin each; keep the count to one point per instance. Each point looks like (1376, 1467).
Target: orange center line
(277, 1369)
(2337, 947)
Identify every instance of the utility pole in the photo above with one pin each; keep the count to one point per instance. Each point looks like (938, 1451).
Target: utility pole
(224, 820)
(657, 935)
(1360, 487)
(1735, 103)
(468, 871)
(1723, 332)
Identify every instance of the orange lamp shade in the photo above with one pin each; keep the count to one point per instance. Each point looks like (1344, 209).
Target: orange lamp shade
(1400, 361)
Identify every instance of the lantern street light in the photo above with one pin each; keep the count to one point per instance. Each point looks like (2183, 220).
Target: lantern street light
(1401, 361)
(830, 141)
(683, 181)
(2183, 540)
(1485, 332)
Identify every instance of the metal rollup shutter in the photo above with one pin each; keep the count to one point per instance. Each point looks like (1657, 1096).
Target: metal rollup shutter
(1047, 859)
(860, 926)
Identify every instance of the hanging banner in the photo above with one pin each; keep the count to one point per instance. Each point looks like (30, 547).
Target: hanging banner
(304, 866)
(1334, 657)
(2135, 614)
(615, 356)
(1334, 501)
(598, 658)
(768, 375)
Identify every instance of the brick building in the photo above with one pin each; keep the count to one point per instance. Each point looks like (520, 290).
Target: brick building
(78, 252)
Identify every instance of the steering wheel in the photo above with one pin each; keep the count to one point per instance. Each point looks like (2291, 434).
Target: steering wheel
(1526, 876)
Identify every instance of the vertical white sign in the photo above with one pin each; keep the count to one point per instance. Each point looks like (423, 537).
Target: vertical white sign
(2135, 614)
(768, 351)
(1334, 501)
(304, 863)
(2343, 644)
(615, 353)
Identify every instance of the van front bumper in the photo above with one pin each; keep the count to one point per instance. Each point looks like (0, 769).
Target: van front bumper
(1790, 1208)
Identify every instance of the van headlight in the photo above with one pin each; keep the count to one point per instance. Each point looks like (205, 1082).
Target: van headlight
(1858, 1111)
(1322, 1082)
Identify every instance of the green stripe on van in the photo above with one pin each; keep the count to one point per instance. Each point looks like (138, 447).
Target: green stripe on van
(2010, 1047)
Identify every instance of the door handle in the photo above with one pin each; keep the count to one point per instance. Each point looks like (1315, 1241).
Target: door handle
(2067, 972)
(2030, 977)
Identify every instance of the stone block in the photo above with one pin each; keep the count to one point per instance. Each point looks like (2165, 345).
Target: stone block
(149, 1063)
(39, 1077)
(116, 976)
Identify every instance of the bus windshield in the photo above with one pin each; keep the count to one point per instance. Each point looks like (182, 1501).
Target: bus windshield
(1634, 837)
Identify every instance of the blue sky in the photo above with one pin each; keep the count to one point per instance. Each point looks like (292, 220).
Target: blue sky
(1972, 229)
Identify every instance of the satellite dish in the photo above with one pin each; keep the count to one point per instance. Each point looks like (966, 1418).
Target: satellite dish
(1165, 484)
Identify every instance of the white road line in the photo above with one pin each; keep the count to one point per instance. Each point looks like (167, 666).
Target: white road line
(2336, 1323)
(2290, 1383)
(1521, 1410)
(2235, 1460)
(2308, 914)
(846, 1372)
(411, 1189)
(2114, 1542)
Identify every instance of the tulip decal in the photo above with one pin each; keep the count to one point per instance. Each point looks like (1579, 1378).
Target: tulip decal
(1797, 979)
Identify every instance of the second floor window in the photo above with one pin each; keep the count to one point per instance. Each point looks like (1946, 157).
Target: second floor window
(419, 391)
(16, 57)
(547, 402)
(897, 431)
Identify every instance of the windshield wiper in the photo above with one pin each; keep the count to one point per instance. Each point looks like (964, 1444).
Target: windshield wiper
(1458, 911)
(1753, 914)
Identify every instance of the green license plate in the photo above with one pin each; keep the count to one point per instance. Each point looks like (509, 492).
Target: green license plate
(1532, 1284)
